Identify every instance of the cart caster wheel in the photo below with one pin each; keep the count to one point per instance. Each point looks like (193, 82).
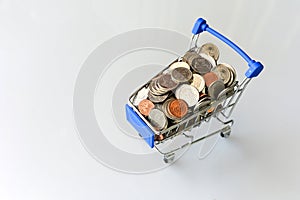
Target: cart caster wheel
(225, 133)
(169, 158)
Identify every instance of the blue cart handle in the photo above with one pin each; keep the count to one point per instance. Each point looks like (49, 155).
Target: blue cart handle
(255, 67)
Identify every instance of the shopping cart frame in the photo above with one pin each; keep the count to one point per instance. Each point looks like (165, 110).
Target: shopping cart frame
(228, 99)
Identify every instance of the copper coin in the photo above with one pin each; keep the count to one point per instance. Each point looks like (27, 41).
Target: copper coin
(159, 137)
(209, 78)
(145, 106)
(178, 108)
(202, 95)
(211, 109)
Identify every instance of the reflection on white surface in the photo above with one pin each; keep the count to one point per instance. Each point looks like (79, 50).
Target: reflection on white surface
(116, 129)
(43, 44)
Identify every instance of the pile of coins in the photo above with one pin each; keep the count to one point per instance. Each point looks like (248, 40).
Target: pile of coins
(186, 86)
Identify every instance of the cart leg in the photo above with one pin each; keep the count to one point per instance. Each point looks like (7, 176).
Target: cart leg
(169, 157)
(225, 132)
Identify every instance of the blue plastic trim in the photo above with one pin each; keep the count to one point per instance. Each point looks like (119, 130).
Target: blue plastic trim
(254, 67)
(229, 43)
(199, 26)
(134, 119)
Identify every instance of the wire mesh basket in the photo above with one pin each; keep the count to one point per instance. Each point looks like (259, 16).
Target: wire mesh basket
(216, 100)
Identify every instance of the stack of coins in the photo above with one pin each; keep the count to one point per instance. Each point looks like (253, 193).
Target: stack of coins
(162, 84)
(189, 85)
(175, 109)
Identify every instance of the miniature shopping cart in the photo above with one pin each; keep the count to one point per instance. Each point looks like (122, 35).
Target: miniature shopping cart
(219, 108)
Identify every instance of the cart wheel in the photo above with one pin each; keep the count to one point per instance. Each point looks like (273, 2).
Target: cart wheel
(225, 133)
(169, 158)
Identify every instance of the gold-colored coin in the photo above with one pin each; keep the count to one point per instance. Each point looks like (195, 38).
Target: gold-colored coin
(211, 50)
(198, 82)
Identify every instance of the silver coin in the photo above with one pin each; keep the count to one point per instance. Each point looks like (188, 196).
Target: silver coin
(190, 55)
(181, 74)
(187, 93)
(202, 106)
(206, 98)
(227, 92)
(158, 106)
(231, 79)
(219, 108)
(223, 73)
(210, 49)
(164, 106)
(157, 98)
(179, 64)
(161, 90)
(162, 84)
(209, 58)
(215, 108)
(204, 91)
(201, 65)
(158, 119)
(165, 109)
(215, 89)
(233, 74)
(158, 89)
(152, 87)
(165, 81)
(198, 82)
(141, 95)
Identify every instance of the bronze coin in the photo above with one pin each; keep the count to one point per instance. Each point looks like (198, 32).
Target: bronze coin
(209, 78)
(159, 137)
(165, 108)
(203, 95)
(211, 109)
(178, 108)
(145, 106)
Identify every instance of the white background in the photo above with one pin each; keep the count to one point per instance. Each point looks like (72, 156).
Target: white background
(44, 43)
